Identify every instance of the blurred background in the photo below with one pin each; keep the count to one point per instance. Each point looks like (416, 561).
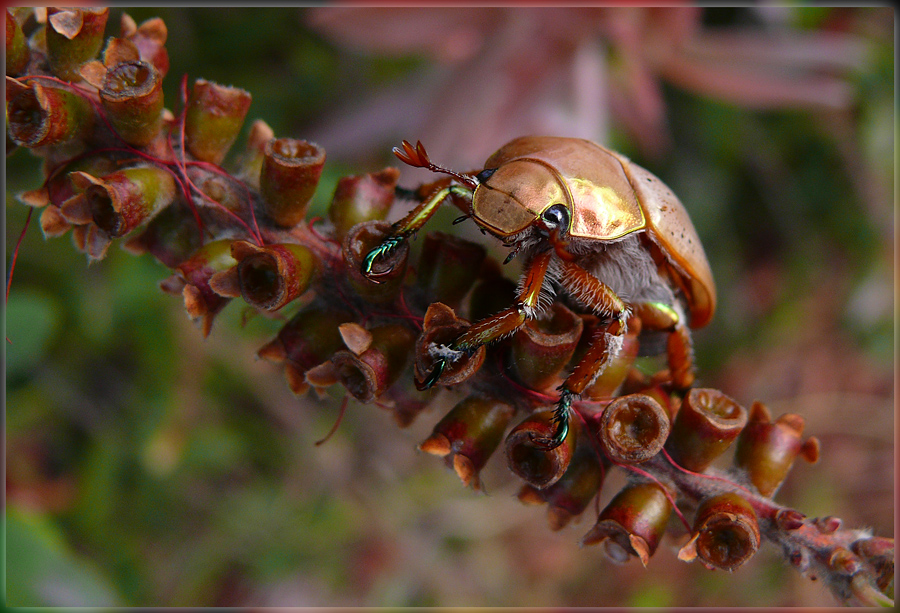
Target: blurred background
(148, 466)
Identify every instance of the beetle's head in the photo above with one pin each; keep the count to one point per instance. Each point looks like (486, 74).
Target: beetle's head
(518, 195)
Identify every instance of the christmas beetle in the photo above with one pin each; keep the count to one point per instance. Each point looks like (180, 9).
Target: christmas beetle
(592, 226)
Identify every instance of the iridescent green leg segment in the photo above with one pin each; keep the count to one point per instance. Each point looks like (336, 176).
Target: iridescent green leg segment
(561, 419)
(407, 226)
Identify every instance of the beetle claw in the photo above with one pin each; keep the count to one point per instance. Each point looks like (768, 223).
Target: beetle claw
(434, 375)
(381, 250)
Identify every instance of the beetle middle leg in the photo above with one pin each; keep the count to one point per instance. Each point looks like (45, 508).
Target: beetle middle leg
(503, 323)
(679, 348)
(603, 349)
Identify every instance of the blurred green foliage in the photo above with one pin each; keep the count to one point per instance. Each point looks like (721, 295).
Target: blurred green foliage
(148, 467)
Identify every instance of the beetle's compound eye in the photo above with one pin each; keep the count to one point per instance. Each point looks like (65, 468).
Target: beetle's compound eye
(557, 216)
(485, 174)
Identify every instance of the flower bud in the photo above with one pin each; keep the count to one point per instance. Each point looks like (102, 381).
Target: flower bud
(288, 179)
(215, 114)
(633, 429)
(375, 360)
(362, 198)
(41, 116)
(132, 96)
(766, 450)
(308, 339)
(119, 202)
(441, 327)
(267, 277)
(17, 53)
(390, 268)
(725, 533)
(541, 348)
(469, 434)
(446, 266)
(200, 301)
(633, 523)
(535, 464)
(706, 425)
(571, 495)
(74, 36)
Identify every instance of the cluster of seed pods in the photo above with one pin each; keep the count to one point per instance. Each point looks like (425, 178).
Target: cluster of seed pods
(119, 165)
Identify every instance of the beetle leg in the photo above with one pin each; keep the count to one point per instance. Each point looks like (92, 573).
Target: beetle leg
(679, 348)
(604, 347)
(407, 226)
(503, 323)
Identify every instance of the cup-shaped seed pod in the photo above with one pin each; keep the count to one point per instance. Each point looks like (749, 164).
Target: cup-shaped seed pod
(41, 116)
(389, 269)
(375, 358)
(121, 201)
(633, 523)
(132, 96)
(270, 276)
(200, 301)
(536, 465)
(307, 340)
(492, 293)
(290, 174)
(541, 348)
(633, 428)
(469, 434)
(74, 36)
(610, 380)
(362, 198)
(17, 53)
(570, 496)
(766, 449)
(445, 268)
(441, 327)
(725, 533)
(707, 423)
(215, 114)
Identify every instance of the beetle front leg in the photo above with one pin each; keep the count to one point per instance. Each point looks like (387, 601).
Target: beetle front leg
(603, 349)
(407, 226)
(503, 323)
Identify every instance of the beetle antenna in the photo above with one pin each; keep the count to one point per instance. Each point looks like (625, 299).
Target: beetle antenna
(418, 157)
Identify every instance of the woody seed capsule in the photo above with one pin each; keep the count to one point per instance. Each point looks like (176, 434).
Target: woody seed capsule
(633, 523)
(288, 179)
(444, 270)
(725, 534)
(541, 348)
(538, 466)
(766, 449)
(362, 198)
(570, 496)
(272, 275)
(440, 327)
(200, 301)
(391, 269)
(215, 114)
(74, 36)
(367, 370)
(706, 425)
(133, 99)
(633, 429)
(469, 434)
(42, 116)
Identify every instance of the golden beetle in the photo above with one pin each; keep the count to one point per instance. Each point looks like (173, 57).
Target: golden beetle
(591, 225)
